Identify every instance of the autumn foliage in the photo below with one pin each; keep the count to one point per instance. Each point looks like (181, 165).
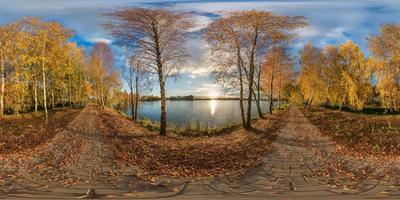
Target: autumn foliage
(39, 67)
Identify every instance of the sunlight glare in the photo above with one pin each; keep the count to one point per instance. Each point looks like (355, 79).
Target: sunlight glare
(213, 94)
(213, 106)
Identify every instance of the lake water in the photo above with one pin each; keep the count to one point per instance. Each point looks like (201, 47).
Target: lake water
(206, 112)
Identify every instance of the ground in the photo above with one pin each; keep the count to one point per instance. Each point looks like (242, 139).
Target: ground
(366, 133)
(300, 163)
(27, 130)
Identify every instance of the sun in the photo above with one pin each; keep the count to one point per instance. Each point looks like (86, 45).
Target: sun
(213, 94)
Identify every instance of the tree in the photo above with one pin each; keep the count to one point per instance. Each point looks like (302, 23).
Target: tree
(260, 30)
(332, 76)
(310, 79)
(386, 64)
(161, 35)
(37, 64)
(227, 56)
(277, 72)
(250, 33)
(138, 78)
(9, 42)
(356, 75)
(104, 74)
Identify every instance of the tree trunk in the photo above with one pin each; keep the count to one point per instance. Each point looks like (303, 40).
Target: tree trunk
(2, 87)
(131, 100)
(341, 106)
(241, 88)
(279, 99)
(271, 97)
(44, 82)
(81, 95)
(80, 98)
(163, 117)
(69, 82)
(35, 97)
(77, 84)
(305, 104)
(52, 98)
(309, 105)
(137, 95)
(260, 114)
(161, 78)
(257, 98)
(250, 78)
(101, 82)
(102, 93)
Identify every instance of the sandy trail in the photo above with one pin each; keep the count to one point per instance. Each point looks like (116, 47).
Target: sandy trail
(303, 165)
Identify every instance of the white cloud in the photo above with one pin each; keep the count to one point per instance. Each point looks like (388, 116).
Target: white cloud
(102, 40)
(200, 22)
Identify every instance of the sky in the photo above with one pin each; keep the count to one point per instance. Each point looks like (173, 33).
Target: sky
(330, 22)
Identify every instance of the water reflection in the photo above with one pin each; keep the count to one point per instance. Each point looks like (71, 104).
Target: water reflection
(213, 106)
(207, 112)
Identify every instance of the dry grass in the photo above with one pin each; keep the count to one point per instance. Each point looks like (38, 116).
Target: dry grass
(227, 153)
(367, 133)
(23, 131)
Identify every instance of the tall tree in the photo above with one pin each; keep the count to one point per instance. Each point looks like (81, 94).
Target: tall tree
(356, 75)
(227, 55)
(246, 36)
(142, 79)
(310, 79)
(260, 30)
(385, 49)
(105, 76)
(139, 80)
(332, 76)
(6, 39)
(161, 34)
(277, 71)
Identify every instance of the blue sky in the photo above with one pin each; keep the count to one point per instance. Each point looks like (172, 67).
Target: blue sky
(330, 22)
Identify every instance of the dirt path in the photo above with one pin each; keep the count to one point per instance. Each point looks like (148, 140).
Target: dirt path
(304, 165)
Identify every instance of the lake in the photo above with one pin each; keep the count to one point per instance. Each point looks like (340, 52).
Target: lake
(206, 112)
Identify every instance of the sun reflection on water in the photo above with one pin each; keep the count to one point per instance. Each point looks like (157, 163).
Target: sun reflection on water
(213, 106)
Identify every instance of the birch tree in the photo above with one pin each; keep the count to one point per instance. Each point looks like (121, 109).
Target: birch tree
(161, 35)
(385, 49)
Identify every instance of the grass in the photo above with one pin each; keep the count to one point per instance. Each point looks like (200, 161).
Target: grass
(372, 109)
(367, 133)
(192, 129)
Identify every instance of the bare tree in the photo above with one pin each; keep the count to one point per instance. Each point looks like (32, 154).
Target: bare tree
(161, 35)
(139, 80)
(226, 54)
(254, 31)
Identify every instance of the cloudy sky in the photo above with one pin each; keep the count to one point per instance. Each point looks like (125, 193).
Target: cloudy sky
(330, 22)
